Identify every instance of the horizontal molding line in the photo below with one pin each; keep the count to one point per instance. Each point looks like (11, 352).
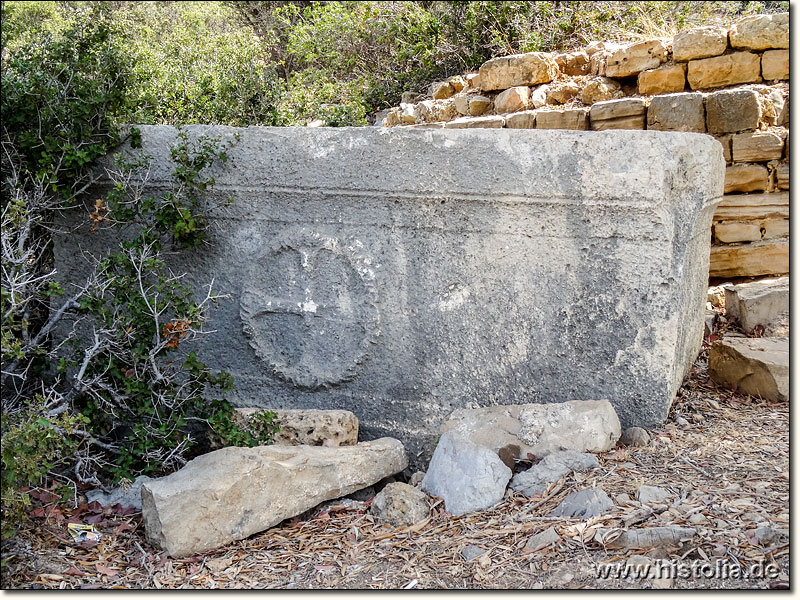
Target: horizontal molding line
(505, 198)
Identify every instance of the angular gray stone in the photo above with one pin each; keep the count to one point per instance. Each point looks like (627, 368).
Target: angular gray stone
(550, 469)
(539, 429)
(650, 494)
(635, 437)
(677, 112)
(757, 302)
(729, 111)
(583, 504)
(356, 286)
(126, 496)
(232, 493)
(778, 327)
(756, 366)
(311, 427)
(466, 476)
(470, 552)
(540, 540)
(400, 505)
(710, 319)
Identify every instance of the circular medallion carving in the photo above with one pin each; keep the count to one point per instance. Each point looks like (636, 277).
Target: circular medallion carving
(309, 308)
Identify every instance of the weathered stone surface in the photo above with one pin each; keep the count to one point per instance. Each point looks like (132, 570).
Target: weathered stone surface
(562, 92)
(518, 69)
(311, 427)
(700, 42)
(457, 82)
(122, 495)
(600, 89)
(441, 89)
(635, 437)
(392, 118)
(473, 80)
(710, 320)
(769, 257)
(757, 302)
(729, 111)
(775, 65)
(760, 32)
(525, 119)
(635, 58)
(461, 104)
(470, 552)
(539, 96)
(746, 178)
(468, 477)
(550, 469)
(543, 539)
(725, 142)
(721, 71)
(716, 295)
(677, 112)
(423, 306)
(651, 494)
(738, 207)
(647, 537)
(729, 232)
(775, 228)
(232, 493)
(626, 113)
(664, 80)
(755, 366)
(573, 63)
(778, 327)
(411, 97)
(513, 99)
(539, 429)
(400, 505)
(490, 121)
(756, 147)
(782, 177)
(408, 113)
(479, 105)
(571, 118)
(583, 504)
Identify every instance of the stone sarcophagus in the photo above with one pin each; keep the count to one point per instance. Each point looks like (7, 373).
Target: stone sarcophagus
(402, 274)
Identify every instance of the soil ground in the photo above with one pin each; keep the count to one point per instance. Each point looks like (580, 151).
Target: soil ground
(723, 456)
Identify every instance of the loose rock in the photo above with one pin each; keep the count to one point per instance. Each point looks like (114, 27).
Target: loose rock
(543, 539)
(635, 437)
(232, 493)
(125, 496)
(466, 476)
(600, 89)
(471, 552)
(518, 69)
(583, 504)
(513, 99)
(400, 504)
(648, 537)
(756, 366)
(757, 302)
(550, 469)
(650, 494)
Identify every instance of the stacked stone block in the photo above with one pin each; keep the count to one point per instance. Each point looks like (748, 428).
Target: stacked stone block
(731, 83)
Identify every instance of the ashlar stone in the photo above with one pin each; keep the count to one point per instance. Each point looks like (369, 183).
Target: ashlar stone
(726, 70)
(775, 65)
(700, 42)
(570, 118)
(761, 32)
(677, 112)
(746, 178)
(625, 113)
(664, 80)
(636, 58)
(729, 111)
(760, 146)
(354, 285)
(518, 69)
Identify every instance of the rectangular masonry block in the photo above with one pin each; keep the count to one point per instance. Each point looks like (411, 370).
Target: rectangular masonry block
(721, 71)
(769, 257)
(402, 274)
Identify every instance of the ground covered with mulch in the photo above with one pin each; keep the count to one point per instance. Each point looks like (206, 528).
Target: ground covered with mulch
(723, 456)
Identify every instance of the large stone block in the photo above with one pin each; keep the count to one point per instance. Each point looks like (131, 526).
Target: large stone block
(513, 99)
(576, 119)
(721, 71)
(491, 121)
(757, 147)
(573, 63)
(746, 178)
(768, 257)
(677, 112)
(636, 58)
(760, 32)
(625, 113)
(729, 111)
(518, 69)
(232, 493)
(525, 119)
(755, 366)
(700, 42)
(775, 65)
(757, 302)
(402, 274)
(664, 80)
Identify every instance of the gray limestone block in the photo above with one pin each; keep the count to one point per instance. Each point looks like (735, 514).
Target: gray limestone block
(466, 476)
(757, 302)
(401, 274)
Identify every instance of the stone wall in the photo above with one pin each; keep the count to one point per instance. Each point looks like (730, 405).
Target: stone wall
(732, 84)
